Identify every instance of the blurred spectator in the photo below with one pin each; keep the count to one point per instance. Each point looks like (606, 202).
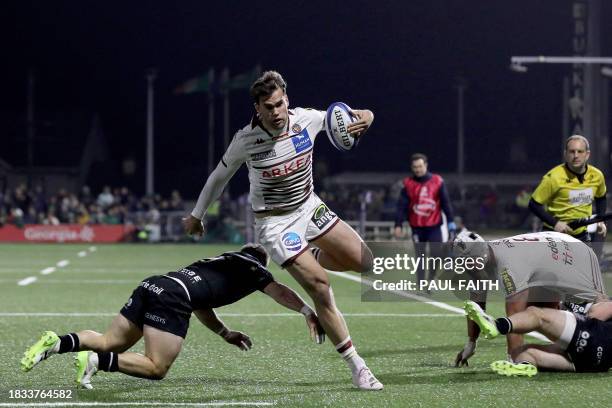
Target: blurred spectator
(85, 196)
(50, 218)
(22, 206)
(105, 198)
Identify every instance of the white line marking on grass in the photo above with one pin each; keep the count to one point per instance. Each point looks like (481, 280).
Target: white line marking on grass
(94, 281)
(82, 254)
(62, 263)
(441, 305)
(53, 314)
(92, 249)
(139, 404)
(100, 314)
(27, 281)
(47, 271)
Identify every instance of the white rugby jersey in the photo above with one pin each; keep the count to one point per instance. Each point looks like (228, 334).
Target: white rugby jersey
(550, 259)
(280, 167)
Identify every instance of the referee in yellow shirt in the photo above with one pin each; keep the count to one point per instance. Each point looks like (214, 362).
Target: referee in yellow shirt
(566, 193)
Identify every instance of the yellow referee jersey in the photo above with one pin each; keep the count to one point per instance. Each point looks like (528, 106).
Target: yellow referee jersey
(568, 196)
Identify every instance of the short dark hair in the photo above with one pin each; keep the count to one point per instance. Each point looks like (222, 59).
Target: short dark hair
(418, 156)
(257, 251)
(266, 84)
(581, 138)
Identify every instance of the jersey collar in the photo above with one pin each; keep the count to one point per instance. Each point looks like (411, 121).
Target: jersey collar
(580, 176)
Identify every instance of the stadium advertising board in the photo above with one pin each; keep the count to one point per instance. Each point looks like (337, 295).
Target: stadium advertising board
(65, 233)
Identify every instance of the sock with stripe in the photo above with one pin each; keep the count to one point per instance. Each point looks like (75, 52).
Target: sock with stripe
(504, 325)
(108, 361)
(349, 354)
(68, 343)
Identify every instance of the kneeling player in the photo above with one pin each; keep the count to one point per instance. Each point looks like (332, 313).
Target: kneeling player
(581, 343)
(542, 268)
(159, 309)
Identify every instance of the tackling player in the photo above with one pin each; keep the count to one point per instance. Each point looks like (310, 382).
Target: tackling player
(159, 310)
(277, 147)
(581, 343)
(544, 267)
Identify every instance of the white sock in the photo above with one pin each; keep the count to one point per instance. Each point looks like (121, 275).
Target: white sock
(349, 354)
(93, 357)
(356, 363)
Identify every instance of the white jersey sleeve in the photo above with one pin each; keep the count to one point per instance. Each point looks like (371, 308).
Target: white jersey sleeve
(232, 160)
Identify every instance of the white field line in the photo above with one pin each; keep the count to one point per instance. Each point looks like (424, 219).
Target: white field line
(423, 299)
(138, 404)
(27, 281)
(102, 314)
(91, 281)
(47, 271)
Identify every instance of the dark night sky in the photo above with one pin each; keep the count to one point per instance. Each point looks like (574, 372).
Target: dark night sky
(398, 58)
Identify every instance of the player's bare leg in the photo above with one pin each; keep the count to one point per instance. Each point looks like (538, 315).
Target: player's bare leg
(515, 304)
(161, 349)
(313, 278)
(342, 249)
(120, 336)
(545, 356)
(554, 324)
(549, 322)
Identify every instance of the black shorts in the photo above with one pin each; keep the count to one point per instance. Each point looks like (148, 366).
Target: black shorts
(590, 348)
(159, 302)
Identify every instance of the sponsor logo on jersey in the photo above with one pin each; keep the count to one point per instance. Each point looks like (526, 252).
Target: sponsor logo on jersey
(269, 154)
(284, 169)
(599, 354)
(582, 340)
(292, 241)
(301, 141)
(508, 282)
(296, 128)
(155, 318)
(193, 276)
(577, 308)
(581, 197)
(151, 287)
(425, 207)
(322, 216)
(129, 303)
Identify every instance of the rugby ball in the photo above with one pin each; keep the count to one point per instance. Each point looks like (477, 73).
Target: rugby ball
(337, 118)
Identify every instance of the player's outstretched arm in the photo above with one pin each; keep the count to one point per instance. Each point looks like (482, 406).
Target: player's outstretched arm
(213, 188)
(470, 345)
(209, 318)
(362, 124)
(287, 297)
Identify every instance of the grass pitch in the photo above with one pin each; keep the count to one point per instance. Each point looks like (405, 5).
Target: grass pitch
(410, 346)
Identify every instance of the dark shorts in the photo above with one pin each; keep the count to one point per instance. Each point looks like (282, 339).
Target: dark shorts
(159, 302)
(590, 348)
